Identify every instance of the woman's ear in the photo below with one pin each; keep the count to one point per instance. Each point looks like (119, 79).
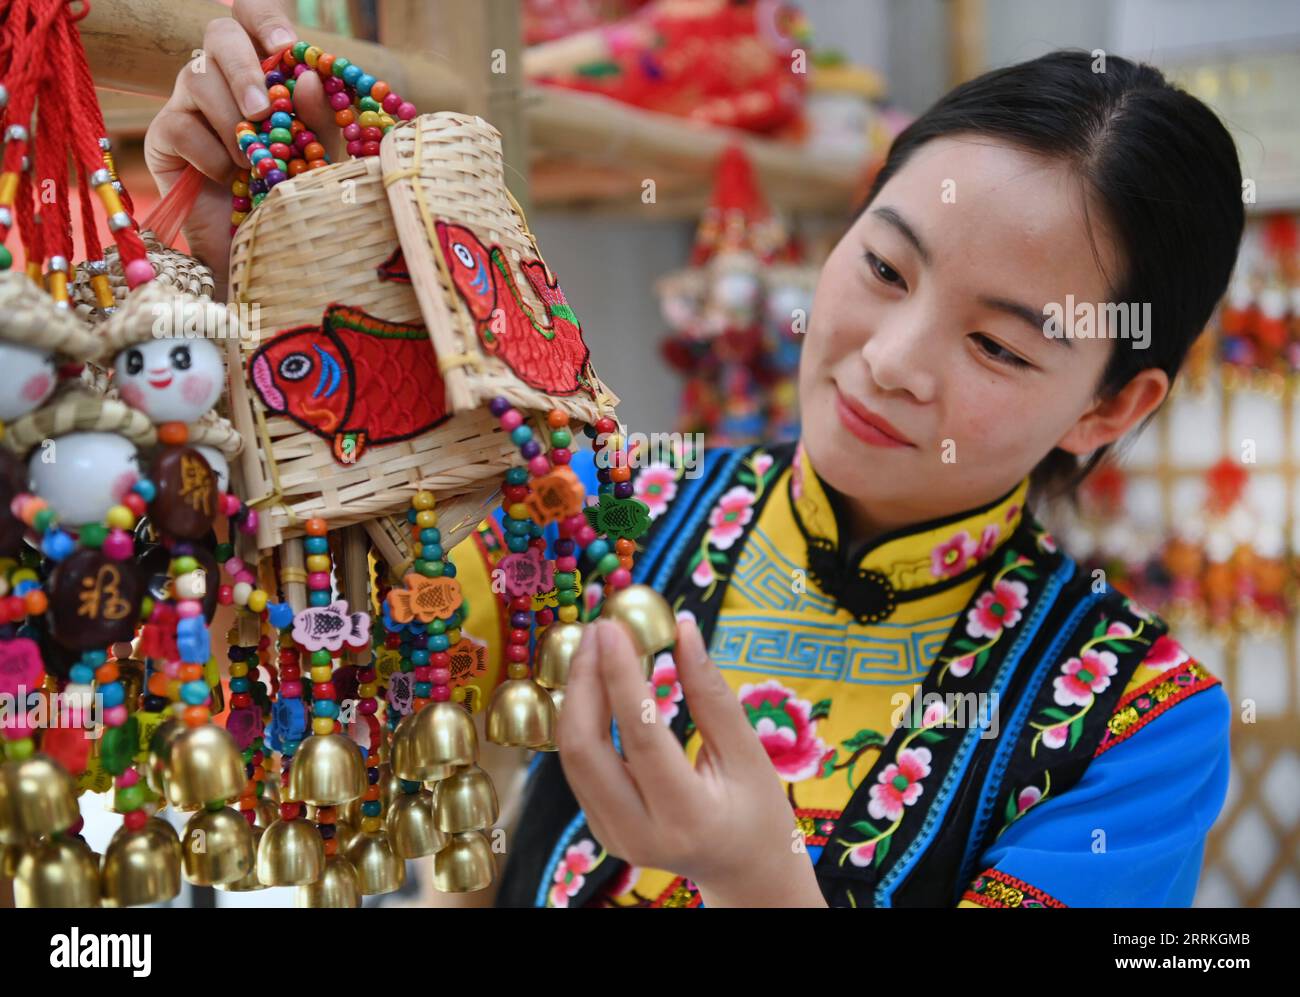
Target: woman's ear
(1110, 418)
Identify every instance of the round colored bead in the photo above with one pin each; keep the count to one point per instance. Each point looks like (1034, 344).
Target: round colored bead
(316, 527)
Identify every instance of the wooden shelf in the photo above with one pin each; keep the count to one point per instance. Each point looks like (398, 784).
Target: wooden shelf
(588, 152)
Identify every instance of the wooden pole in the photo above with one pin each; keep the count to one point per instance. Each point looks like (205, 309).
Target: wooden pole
(138, 46)
(480, 44)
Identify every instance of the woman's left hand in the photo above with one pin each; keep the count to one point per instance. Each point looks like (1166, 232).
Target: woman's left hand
(725, 823)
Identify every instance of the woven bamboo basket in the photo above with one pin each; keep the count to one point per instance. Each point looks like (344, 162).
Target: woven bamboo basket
(175, 270)
(328, 237)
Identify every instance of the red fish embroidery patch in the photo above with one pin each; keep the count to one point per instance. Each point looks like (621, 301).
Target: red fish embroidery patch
(355, 380)
(549, 355)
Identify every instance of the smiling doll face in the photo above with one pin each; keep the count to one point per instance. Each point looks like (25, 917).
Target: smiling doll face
(27, 377)
(170, 380)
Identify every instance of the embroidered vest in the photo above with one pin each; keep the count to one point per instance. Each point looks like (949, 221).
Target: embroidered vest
(1069, 642)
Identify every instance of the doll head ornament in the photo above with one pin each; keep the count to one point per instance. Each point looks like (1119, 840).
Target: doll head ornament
(35, 336)
(162, 345)
(82, 453)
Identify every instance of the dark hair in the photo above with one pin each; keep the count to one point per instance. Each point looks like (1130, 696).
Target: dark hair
(1160, 163)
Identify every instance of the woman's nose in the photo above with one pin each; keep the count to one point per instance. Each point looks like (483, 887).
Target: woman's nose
(901, 355)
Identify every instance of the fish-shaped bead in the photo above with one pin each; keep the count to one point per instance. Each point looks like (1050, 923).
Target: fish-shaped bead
(328, 628)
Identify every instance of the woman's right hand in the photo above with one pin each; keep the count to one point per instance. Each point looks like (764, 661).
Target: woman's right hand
(212, 94)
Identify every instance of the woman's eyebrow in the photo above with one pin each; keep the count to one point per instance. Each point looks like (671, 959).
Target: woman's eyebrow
(895, 219)
(1021, 311)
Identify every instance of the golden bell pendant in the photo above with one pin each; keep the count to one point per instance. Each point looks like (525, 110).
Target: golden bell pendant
(249, 882)
(520, 715)
(37, 797)
(327, 771)
(268, 812)
(217, 847)
(337, 886)
(379, 868)
(290, 853)
(204, 766)
(160, 753)
(61, 872)
(426, 742)
(557, 700)
(464, 865)
(648, 618)
(141, 867)
(390, 785)
(555, 651)
(411, 826)
(465, 801)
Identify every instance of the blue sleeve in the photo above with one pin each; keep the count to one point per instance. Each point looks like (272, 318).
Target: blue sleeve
(1131, 832)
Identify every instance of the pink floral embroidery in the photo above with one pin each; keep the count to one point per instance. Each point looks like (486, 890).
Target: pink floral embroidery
(988, 541)
(1082, 678)
(728, 519)
(1047, 542)
(1028, 797)
(1166, 653)
(786, 729)
(572, 871)
(962, 666)
(899, 784)
(1054, 737)
(656, 486)
(863, 854)
(762, 462)
(997, 609)
(1012, 509)
(949, 557)
(667, 689)
(703, 575)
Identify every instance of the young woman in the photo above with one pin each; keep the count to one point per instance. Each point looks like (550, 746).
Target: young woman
(909, 695)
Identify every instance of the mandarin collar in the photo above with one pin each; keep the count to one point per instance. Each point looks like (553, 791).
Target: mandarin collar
(901, 564)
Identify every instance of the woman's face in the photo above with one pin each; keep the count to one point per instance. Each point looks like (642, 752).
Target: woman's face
(929, 313)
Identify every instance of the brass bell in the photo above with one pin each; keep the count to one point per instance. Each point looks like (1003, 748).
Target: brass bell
(10, 854)
(390, 785)
(520, 715)
(338, 886)
(290, 853)
(249, 882)
(648, 618)
(466, 801)
(217, 847)
(555, 651)
(160, 753)
(268, 812)
(205, 766)
(465, 864)
(141, 867)
(344, 833)
(59, 872)
(37, 797)
(327, 771)
(350, 813)
(424, 743)
(271, 788)
(411, 826)
(442, 772)
(557, 698)
(379, 868)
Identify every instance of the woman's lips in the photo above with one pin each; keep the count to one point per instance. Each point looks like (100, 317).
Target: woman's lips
(866, 425)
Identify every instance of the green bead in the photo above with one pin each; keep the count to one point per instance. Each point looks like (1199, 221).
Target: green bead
(565, 580)
(299, 50)
(118, 746)
(321, 657)
(369, 104)
(561, 437)
(6, 258)
(128, 799)
(436, 627)
(281, 135)
(16, 751)
(567, 597)
(184, 564)
(289, 84)
(93, 534)
(340, 64)
(422, 567)
(225, 552)
(42, 520)
(609, 564)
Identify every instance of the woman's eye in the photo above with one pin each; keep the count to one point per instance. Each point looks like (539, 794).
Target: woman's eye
(999, 352)
(883, 271)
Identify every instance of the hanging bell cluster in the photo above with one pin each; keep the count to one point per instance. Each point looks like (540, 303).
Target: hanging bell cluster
(49, 868)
